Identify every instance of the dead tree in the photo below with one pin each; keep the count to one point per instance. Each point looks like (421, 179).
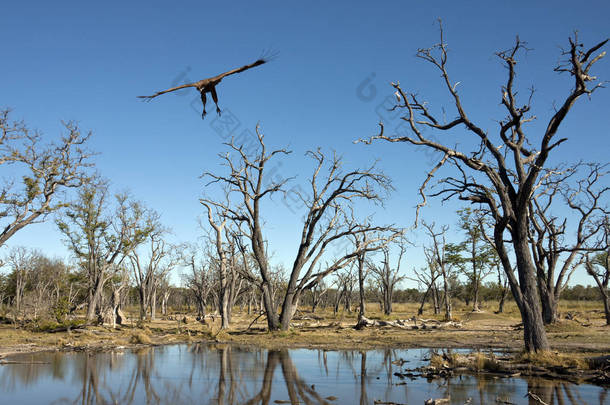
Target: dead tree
(330, 223)
(227, 261)
(318, 292)
(44, 171)
(362, 273)
(165, 291)
(236, 284)
(388, 276)
(438, 255)
(501, 172)
(427, 277)
(598, 267)
(218, 225)
(345, 281)
(555, 256)
(247, 180)
(150, 268)
(200, 282)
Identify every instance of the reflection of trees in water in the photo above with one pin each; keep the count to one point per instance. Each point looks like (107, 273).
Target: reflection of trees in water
(298, 390)
(34, 367)
(264, 395)
(226, 375)
(559, 393)
(93, 373)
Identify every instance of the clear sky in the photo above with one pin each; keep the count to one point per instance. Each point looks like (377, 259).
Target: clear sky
(87, 62)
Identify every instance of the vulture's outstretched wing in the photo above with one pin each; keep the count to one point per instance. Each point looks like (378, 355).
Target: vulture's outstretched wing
(184, 86)
(238, 70)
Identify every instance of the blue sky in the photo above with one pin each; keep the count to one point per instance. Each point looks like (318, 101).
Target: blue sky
(88, 61)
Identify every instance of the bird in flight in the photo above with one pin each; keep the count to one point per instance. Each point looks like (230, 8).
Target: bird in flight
(209, 85)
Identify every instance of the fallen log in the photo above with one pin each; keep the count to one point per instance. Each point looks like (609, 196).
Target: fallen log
(364, 322)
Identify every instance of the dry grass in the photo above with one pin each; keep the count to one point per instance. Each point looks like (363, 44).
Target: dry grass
(553, 359)
(327, 330)
(140, 338)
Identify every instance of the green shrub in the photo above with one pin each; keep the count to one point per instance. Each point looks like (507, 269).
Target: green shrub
(60, 309)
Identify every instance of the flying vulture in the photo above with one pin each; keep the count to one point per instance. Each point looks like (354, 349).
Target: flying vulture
(209, 85)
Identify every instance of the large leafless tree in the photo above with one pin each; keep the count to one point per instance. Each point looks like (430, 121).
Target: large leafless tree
(247, 180)
(500, 172)
(329, 222)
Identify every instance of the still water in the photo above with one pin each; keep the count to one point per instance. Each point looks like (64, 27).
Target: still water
(225, 374)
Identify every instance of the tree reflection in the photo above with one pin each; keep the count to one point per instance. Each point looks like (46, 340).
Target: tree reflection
(226, 375)
(558, 393)
(264, 395)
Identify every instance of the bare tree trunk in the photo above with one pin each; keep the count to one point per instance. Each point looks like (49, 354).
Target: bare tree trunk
(95, 299)
(143, 302)
(348, 301)
(153, 304)
(166, 295)
(435, 298)
(362, 311)
(387, 303)
(501, 303)
(549, 306)
(447, 298)
(338, 298)
(531, 311)
(250, 298)
(273, 322)
(19, 288)
(606, 300)
(423, 301)
(475, 298)
(602, 277)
